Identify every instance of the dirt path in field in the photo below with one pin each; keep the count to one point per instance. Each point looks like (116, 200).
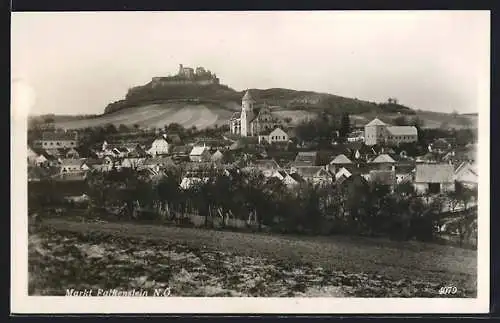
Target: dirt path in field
(395, 260)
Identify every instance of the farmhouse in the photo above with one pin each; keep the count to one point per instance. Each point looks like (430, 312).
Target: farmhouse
(200, 154)
(383, 162)
(434, 178)
(338, 162)
(289, 180)
(70, 166)
(277, 135)
(160, 146)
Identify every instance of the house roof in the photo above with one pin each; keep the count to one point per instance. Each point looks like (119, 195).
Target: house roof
(376, 122)
(301, 163)
(181, 150)
(92, 161)
(59, 136)
(383, 158)
(197, 150)
(266, 164)
(161, 138)
(404, 168)
(434, 173)
(402, 130)
(341, 159)
(158, 161)
(308, 171)
(307, 156)
(278, 130)
(71, 162)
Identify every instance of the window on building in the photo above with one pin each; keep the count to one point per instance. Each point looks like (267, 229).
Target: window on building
(52, 144)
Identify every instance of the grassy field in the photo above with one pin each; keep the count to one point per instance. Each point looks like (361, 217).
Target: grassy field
(157, 115)
(197, 262)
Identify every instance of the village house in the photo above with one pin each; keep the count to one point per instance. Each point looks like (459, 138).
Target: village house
(132, 162)
(383, 162)
(276, 135)
(252, 120)
(181, 152)
(217, 157)
(378, 132)
(342, 173)
(70, 165)
(157, 163)
(200, 154)
(356, 136)
(289, 180)
(91, 164)
(72, 153)
(316, 175)
(266, 166)
(160, 146)
(441, 145)
(32, 156)
(306, 158)
(467, 174)
(58, 139)
(404, 173)
(385, 178)
(434, 178)
(338, 162)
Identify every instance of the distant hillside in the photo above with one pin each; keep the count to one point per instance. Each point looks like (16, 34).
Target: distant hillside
(225, 96)
(152, 105)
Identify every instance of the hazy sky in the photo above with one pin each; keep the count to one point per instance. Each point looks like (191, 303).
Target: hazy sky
(79, 62)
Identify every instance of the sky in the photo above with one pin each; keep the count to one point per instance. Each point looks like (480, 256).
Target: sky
(78, 62)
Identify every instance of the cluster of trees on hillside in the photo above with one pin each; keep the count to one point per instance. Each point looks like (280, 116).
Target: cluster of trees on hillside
(324, 129)
(362, 208)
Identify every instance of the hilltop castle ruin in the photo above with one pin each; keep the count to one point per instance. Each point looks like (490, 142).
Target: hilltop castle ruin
(187, 75)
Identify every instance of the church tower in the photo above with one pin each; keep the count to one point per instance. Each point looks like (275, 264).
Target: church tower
(246, 114)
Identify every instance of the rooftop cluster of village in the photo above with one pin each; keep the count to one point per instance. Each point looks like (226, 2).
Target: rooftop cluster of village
(257, 140)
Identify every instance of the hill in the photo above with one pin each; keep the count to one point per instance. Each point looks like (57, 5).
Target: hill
(204, 106)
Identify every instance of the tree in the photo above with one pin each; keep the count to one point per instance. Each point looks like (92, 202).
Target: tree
(400, 121)
(122, 128)
(345, 126)
(110, 129)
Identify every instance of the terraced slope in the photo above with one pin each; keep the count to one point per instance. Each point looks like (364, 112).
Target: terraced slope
(156, 116)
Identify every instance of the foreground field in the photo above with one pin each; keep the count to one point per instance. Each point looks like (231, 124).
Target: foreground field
(193, 262)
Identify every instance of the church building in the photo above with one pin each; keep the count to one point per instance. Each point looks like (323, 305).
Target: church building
(252, 120)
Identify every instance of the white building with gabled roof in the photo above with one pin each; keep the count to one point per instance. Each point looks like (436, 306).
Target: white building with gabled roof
(160, 146)
(378, 132)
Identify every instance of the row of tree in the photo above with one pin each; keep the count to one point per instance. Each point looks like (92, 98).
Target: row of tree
(355, 208)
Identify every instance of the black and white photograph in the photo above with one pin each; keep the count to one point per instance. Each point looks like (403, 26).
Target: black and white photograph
(250, 161)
